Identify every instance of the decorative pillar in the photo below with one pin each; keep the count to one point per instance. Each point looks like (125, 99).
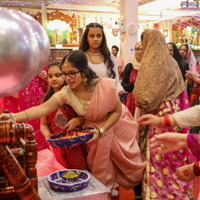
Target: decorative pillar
(128, 14)
(44, 15)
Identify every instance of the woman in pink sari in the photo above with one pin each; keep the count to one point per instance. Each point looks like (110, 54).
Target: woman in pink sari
(189, 57)
(160, 90)
(113, 152)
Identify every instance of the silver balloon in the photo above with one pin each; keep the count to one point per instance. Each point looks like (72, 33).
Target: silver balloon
(24, 50)
(19, 52)
(42, 38)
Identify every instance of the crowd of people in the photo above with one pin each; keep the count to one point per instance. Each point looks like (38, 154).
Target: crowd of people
(144, 145)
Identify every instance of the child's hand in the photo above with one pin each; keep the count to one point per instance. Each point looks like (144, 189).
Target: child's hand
(70, 125)
(43, 75)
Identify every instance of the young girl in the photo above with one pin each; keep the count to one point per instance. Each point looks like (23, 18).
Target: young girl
(52, 123)
(94, 45)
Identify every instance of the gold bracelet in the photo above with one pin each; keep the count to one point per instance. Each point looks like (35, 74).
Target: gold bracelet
(77, 121)
(13, 116)
(162, 122)
(171, 119)
(47, 136)
(101, 132)
(27, 117)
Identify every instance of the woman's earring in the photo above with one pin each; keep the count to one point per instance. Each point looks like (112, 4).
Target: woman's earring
(84, 79)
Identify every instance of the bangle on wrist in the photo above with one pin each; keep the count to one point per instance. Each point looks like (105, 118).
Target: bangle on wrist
(13, 116)
(166, 121)
(171, 120)
(162, 123)
(77, 121)
(101, 132)
(27, 117)
(196, 168)
(47, 136)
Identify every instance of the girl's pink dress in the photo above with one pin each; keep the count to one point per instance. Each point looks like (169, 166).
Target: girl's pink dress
(115, 157)
(72, 157)
(10, 103)
(31, 96)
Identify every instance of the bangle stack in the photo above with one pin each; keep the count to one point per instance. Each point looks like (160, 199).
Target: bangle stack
(101, 131)
(167, 120)
(77, 121)
(196, 168)
(13, 116)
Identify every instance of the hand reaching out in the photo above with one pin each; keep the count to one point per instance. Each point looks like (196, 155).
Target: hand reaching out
(168, 142)
(5, 117)
(149, 120)
(70, 125)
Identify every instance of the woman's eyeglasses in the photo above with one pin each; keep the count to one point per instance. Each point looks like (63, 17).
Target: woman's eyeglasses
(138, 49)
(70, 74)
(184, 50)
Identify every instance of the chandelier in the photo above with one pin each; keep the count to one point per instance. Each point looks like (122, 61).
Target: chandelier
(190, 4)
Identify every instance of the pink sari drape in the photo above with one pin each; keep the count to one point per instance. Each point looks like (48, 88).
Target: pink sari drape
(116, 156)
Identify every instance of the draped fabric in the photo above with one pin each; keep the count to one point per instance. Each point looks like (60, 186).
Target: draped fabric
(130, 102)
(30, 96)
(190, 58)
(159, 78)
(114, 157)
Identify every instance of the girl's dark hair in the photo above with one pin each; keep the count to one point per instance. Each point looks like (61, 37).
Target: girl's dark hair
(84, 46)
(142, 36)
(51, 91)
(79, 60)
(186, 45)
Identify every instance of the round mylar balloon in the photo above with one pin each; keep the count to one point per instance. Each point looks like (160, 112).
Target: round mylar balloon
(19, 53)
(42, 38)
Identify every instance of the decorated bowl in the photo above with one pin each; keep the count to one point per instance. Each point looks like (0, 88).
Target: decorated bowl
(70, 138)
(57, 183)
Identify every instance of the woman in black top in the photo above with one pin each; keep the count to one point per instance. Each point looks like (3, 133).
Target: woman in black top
(174, 52)
(130, 74)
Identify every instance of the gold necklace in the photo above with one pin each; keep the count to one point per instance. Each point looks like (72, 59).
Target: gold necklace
(94, 54)
(90, 58)
(83, 102)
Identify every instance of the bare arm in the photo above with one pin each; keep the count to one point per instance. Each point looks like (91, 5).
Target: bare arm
(186, 118)
(44, 128)
(35, 112)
